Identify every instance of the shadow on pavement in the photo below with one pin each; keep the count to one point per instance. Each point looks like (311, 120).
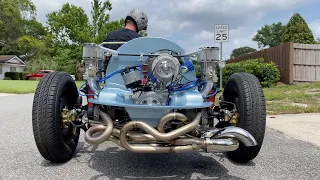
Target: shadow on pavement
(116, 163)
(223, 157)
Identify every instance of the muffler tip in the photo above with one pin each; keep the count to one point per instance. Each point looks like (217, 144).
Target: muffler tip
(220, 145)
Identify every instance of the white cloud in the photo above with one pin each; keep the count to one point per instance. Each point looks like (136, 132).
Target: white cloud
(204, 35)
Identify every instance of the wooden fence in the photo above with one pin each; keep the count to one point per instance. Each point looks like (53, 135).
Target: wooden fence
(296, 62)
(306, 62)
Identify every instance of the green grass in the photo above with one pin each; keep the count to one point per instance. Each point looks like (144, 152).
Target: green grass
(281, 99)
(22, 86)
(291, 99)
(298, 98)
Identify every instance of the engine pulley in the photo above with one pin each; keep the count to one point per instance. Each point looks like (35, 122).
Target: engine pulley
(165, 67)
(151, 98)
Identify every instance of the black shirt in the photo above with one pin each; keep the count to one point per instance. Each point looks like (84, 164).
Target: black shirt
(120, 36)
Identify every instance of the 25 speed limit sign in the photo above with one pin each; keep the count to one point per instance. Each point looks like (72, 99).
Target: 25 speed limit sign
(221, 33)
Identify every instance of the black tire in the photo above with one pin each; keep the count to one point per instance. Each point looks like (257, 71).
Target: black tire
(54, 91)
(246, 92)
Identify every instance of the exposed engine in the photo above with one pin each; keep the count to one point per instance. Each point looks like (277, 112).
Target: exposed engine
(150, 81)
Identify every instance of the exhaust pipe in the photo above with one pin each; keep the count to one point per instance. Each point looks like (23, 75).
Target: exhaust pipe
(159, 136)
(169, 117)
(238, 133)
(106, 129)
(220, 145)
(217, 140)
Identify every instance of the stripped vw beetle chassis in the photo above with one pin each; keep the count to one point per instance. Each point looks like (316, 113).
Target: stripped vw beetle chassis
(146, 98)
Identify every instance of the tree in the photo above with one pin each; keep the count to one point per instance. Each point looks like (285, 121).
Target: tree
(67, 58)
(298, 31)
(101, 24)
(35, 29)
(70, 25)
(241, 51)
(13, 13)
(269, 35)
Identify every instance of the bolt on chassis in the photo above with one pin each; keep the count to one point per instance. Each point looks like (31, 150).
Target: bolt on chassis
(146, 98)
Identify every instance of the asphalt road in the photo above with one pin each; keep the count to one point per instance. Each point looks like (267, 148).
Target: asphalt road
(281, 157)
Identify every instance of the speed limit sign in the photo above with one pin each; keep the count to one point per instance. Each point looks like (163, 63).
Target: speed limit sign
(221, 33)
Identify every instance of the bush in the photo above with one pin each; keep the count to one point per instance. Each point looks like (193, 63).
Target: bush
(7, 78)
(13, 75)
(267, 73)
(23, 75)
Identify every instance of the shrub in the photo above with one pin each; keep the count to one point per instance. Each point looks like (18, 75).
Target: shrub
(13, 75)
(23, 75)
(7, 78)
(267, 73)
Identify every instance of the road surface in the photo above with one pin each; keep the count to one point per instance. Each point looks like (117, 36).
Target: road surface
(281, 157)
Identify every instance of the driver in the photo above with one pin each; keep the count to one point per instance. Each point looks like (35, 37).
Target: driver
(135, 21)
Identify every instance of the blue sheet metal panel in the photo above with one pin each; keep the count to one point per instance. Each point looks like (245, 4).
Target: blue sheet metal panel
(187, 99)
(141, 106)
(145, 45)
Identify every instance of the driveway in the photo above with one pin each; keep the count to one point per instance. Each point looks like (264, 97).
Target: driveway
(283, 155)
(305, 127)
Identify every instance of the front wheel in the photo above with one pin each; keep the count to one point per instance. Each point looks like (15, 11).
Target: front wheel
(245, 91)
(55, 141)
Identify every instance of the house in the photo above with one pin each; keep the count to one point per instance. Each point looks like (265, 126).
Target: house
(10, 63)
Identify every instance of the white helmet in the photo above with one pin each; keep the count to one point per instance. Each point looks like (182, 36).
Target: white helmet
(139, 18)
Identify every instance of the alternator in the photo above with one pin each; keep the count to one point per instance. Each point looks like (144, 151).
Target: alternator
(165, 67)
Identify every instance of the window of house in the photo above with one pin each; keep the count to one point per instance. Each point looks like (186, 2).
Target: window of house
(13, 69)
(0, 68)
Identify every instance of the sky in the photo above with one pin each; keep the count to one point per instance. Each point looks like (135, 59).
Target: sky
(190, 23)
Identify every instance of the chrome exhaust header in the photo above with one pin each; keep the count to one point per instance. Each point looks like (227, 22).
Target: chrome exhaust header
(215, 140)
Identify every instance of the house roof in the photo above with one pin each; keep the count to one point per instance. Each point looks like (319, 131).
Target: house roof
(4, 58)
(12, 60)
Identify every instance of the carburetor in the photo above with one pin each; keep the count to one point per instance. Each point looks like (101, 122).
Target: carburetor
(208, 59)
(93, 59)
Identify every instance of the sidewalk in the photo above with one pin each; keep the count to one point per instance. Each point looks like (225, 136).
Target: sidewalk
(6, 94)
(305, 127)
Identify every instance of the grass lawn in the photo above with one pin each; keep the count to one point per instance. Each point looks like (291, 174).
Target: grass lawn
(282, 99)
(22, 86)
(298, 98)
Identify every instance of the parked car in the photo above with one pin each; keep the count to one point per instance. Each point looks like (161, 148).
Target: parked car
(38, 75)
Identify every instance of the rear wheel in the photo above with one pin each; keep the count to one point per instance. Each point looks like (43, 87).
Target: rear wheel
(245, 91)
(55, 142)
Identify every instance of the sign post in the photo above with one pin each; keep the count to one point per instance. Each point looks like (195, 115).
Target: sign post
(221, 34)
